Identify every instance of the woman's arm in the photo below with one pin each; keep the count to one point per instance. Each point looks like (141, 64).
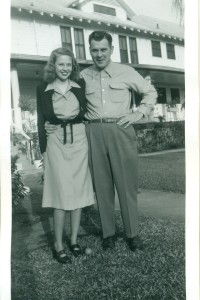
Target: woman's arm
(82, 101)
(41, 122)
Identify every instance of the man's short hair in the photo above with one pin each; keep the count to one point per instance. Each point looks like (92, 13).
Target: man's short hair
(100, 35)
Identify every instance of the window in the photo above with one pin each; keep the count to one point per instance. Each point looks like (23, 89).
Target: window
(156, 50)
(66, 37)
(175, 95)
(133, 50)
(161, 95)
(104, 10)
(170, 51)
(79, 43)
(123, 49)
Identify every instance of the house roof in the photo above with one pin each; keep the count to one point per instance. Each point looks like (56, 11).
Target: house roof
(58, 8)
(82, 2)
(137, 22)
(159, 25)
(120, 3)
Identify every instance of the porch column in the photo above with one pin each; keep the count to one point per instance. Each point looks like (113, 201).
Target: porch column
(15, 98)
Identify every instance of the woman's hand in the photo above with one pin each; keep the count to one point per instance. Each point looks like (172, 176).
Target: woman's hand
(50, 128)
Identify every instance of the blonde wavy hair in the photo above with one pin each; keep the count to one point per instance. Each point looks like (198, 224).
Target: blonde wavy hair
(49, 69)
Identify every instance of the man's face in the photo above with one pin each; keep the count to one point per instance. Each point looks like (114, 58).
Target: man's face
(101, 53)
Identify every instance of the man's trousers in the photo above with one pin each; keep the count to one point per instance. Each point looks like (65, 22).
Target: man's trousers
(114, 163)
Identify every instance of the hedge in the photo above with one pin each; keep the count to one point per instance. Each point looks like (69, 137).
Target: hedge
(152, 137)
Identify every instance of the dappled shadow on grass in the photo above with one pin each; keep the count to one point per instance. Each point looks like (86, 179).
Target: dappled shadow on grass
(34, 205)
(21, 219)
(155, 273)
(90, 221)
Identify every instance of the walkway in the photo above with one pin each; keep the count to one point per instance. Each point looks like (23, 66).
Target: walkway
(151, 203)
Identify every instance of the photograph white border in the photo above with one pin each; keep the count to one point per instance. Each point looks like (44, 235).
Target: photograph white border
(192, 113)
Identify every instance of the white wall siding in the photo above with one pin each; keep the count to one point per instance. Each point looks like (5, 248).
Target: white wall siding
(34, 38)
(23, 37)
(116, 53)
(145, 55)
(48, 37)
(87, 51)
(180, 54)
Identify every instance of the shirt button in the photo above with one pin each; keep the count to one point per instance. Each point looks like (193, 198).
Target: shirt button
(102, 78)
(104, 101)
(103, 90)
(105, 113)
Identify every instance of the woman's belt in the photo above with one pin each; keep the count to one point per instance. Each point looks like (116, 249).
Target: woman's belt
(64, 124)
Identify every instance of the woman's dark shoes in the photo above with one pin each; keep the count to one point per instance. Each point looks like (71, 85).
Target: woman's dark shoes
(134, 243)
(109, 243)
(76, 250)
(60, 256)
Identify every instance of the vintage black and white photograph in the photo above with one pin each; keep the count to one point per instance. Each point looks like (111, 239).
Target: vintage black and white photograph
(97, 147)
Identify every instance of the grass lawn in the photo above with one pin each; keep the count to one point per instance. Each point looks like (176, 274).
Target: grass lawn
(164, 172)
(155, 273)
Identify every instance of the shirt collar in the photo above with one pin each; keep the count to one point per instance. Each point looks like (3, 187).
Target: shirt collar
(108, 69)
(52, 86)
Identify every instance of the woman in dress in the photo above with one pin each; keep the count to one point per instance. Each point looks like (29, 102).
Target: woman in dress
(67, 179)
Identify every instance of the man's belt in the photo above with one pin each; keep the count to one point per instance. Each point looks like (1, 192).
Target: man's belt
(105, 120)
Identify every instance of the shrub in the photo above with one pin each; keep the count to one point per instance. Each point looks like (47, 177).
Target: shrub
(26, 103)
(16, 138)
(153, 137)
(18, 188)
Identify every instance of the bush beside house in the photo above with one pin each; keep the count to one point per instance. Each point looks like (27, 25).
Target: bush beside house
(18, 188)
(154, 137)
(27, 103)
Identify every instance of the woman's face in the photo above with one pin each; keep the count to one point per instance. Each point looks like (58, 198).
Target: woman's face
(63, 67)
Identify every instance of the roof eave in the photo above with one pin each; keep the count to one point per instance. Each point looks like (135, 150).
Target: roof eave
(114, 22)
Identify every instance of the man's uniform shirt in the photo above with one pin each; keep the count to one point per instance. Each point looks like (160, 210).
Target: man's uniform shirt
(108, 91)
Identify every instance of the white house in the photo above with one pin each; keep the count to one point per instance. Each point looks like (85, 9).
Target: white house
(153, 47)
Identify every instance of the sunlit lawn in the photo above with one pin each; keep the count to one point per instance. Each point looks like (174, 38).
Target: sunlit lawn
(155, 273)
(164, 172)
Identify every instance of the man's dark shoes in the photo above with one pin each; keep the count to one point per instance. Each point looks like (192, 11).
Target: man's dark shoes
(109, 243)
(134, 243)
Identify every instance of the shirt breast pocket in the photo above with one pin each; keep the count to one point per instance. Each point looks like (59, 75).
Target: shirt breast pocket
(118, 91)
